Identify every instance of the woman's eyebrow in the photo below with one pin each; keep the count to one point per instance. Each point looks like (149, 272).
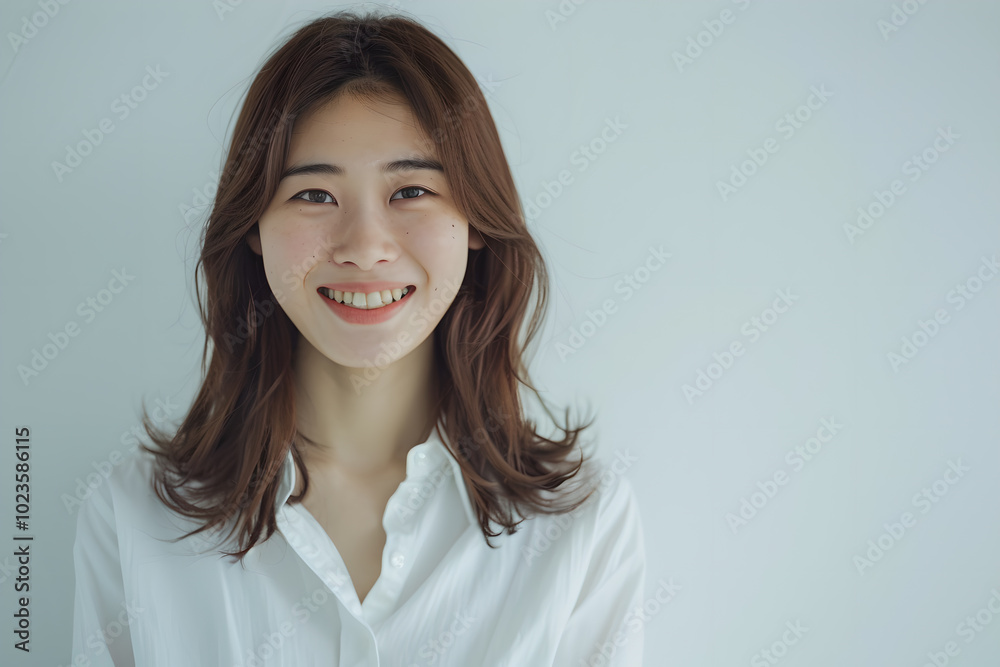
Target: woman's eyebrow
(409, 164)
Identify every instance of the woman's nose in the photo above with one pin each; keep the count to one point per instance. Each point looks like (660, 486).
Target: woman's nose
(363, 238)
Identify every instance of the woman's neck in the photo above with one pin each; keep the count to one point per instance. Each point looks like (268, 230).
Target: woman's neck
(360, 423)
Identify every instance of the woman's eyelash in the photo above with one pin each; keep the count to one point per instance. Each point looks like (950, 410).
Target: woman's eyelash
(410, 187)
(303, 195)
(312, 201)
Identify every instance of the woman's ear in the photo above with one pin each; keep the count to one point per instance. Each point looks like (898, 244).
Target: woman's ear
(476, 241)
(253, 239)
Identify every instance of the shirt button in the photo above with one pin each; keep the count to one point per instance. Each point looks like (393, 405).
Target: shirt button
(421, 458)
(397, 559)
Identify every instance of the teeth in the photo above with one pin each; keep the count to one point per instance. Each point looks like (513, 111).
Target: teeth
(364, 301)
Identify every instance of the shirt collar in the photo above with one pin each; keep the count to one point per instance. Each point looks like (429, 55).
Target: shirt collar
(421, 460)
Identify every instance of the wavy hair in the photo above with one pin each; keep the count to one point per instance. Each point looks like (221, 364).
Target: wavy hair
(235, 437)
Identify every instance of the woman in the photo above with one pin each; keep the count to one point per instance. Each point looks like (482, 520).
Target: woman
(359, 437)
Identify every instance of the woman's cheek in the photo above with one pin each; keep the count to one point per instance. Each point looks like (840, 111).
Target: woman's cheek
(282, 270)
(442, 234)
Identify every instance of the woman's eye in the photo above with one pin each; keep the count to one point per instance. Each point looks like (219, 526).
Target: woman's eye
(409, 189)
(315, 196)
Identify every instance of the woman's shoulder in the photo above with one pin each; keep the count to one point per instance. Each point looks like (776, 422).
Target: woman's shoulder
(614, 490)
(123, 490)
(615, 507)
(108, 501)
(118, 485)
(132, 479)
(126, 503)
(611, 494)
(607, 512)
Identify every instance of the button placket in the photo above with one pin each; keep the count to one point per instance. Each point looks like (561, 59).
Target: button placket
(319, 553)
(383, 596)
(421, 488)
(397, 545)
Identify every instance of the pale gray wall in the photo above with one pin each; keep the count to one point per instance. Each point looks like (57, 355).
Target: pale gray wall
(553, 86)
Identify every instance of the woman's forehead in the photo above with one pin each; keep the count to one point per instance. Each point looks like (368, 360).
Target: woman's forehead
(348, 125)
(347, 115)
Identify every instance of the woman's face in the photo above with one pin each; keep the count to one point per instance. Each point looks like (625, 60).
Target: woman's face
(363, 208)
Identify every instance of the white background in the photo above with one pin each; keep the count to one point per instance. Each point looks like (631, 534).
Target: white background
(552, 85)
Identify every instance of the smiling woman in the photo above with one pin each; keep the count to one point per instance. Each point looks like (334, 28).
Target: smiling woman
(383, 217)
(358, 449)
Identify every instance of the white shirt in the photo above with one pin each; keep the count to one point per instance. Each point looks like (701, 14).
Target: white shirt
(564, 590)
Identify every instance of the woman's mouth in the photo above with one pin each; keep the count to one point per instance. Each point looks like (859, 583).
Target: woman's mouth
(369, 301)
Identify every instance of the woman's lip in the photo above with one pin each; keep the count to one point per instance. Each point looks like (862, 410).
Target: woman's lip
(364, 316)
(367, 288)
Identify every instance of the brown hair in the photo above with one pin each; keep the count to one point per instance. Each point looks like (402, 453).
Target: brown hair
(236, 436)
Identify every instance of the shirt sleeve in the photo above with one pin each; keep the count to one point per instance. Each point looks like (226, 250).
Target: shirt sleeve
(604, 628)
(100, 614)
